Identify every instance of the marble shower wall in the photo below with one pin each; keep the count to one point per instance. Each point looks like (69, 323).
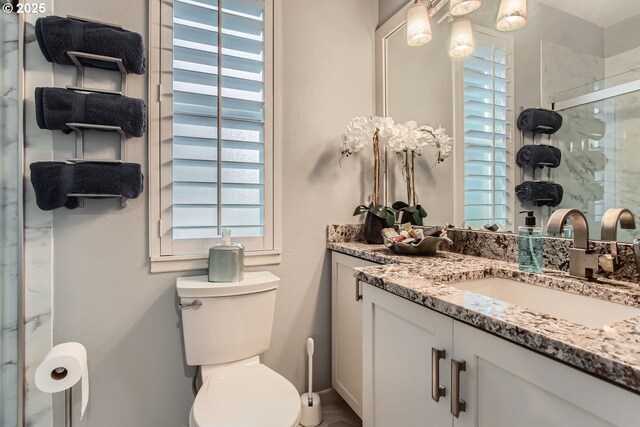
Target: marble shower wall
(38, 257)
(9, 175)
(598, 140)
(565, 72)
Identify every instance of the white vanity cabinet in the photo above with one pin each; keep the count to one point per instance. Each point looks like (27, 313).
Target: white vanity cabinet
(501, 383)
(346, 329)
(398, 341)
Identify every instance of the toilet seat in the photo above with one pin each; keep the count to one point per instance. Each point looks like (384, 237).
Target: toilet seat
(245, 396)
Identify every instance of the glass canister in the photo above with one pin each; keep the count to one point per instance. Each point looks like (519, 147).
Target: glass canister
(226, 260)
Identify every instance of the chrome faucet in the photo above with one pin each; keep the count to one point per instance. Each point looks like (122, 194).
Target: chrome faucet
(582, 261)
(609, 233)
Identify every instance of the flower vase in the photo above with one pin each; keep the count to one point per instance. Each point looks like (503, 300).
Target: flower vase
(373, 226)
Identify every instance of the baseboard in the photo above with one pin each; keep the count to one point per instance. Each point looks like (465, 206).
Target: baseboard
(330, 397)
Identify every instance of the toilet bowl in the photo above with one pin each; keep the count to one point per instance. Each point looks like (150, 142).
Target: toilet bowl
(245, 394)
(226, 326)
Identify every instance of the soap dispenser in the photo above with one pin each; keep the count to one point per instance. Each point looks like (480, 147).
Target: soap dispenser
(530, 245)
(226, 260)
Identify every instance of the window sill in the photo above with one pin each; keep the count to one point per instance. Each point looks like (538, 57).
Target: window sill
(163, 264)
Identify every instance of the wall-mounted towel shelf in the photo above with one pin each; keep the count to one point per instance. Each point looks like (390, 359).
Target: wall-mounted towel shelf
(81, 197)
(94, 90)
(110, 24)
(82, 128)
(74, 55)
(94, 161)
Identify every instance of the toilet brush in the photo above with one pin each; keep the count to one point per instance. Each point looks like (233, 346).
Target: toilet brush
(311, 408)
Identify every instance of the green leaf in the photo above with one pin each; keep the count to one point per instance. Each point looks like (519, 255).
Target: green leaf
(391, 217)
(416, 217)
(360, 210)
(399, 205)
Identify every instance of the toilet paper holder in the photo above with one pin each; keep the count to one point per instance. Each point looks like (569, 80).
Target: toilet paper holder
(68, 408)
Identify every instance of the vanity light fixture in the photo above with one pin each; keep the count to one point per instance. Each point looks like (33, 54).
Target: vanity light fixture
(512, 15)
(462, 39)
(463, 7)
(418, 25)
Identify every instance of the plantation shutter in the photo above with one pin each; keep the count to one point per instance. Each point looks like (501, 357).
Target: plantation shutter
(220, 139)
(487, 130)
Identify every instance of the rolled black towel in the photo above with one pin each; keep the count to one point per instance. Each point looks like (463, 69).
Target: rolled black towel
(53, 181)
(57, 36)
(539, 156)
(540, 193)
(539, 120)
(56, 107)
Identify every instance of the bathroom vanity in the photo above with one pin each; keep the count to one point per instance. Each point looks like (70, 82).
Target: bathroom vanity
(468, 341)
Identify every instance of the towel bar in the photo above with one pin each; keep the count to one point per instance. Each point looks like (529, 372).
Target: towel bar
(81, 196)
(94, 161)
(80, 128)
(77, 18)
(94, 90)
(74, 55)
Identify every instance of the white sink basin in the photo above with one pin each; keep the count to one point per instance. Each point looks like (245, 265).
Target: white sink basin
(590, 312)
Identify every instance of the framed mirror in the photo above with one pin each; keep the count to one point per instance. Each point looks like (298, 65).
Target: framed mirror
(580, 58)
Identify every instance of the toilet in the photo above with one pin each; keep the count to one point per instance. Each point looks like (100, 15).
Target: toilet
(226, 326)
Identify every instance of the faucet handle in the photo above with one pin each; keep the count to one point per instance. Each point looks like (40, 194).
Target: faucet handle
(610, 263)
(636, 252)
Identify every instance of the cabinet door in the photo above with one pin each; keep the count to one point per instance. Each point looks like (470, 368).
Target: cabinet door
(346, 329)
(398, 338)
(505, 385)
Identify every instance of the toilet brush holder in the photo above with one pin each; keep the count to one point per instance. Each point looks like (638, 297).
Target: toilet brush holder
(311, 414)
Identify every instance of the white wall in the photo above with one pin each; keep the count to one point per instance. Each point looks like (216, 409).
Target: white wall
(105, 296)
(388, 8)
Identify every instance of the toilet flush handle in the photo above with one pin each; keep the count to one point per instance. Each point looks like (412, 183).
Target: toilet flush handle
(194, 305)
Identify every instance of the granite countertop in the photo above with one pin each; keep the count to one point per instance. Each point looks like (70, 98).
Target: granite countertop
(611, 352)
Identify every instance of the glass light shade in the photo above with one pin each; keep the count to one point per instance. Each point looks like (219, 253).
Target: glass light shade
(512, 15)
(463, 7)
(463, 42)
(418, 25)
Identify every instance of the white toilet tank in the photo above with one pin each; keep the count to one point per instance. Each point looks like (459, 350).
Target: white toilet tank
(234, 320)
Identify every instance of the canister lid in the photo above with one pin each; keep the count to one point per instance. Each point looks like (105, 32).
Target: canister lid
(199, 286)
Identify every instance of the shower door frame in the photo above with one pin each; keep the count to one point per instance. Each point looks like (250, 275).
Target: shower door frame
(598, 95)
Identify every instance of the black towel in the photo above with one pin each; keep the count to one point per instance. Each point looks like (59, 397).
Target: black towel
(56, 107)
(57, 36)
(539, 156)
(539, 120)
(52, 181)
(540, 193)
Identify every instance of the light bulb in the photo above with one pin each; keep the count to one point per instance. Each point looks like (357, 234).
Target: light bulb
(418, 25)
(512, 15)
(463, 7)
(462, 39)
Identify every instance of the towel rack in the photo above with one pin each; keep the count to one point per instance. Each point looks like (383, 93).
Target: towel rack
(81, 128)
(110, 24)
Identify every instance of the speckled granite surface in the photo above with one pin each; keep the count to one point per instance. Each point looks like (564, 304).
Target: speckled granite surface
(504, 247)
(611, 352)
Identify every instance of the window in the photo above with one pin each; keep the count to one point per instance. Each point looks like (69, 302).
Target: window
(484, 116)
(215, 143)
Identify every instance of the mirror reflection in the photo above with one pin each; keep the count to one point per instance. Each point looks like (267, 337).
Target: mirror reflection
(580, 58)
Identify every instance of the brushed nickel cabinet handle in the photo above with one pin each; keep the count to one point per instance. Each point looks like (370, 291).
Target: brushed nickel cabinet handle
(358, 294)
(437, 391)
(457, 405)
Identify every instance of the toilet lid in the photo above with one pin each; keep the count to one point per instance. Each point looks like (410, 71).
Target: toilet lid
(246, 395)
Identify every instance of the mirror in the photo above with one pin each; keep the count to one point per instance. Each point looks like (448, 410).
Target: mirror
(580, 58)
